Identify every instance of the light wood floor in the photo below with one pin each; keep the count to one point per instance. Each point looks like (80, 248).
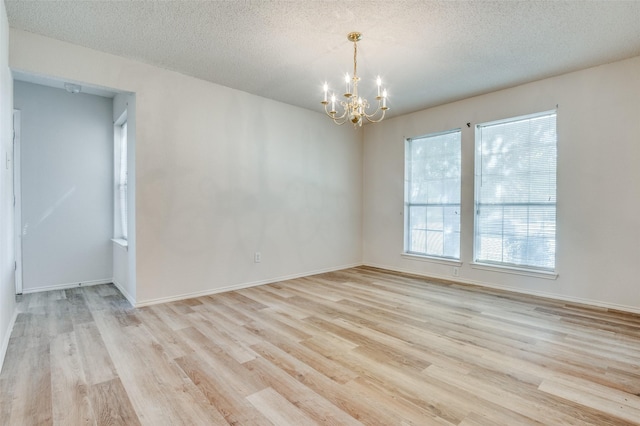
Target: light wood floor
(360, 346)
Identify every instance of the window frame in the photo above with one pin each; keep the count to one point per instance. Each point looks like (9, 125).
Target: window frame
(120, 188)
(410, 254)
(520, 269)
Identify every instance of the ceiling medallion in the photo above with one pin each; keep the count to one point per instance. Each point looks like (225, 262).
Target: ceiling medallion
(354, 108)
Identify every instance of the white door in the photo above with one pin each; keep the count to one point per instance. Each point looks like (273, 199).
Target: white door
(17, 200)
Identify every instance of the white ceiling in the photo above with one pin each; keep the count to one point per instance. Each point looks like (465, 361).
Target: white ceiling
(428, 52)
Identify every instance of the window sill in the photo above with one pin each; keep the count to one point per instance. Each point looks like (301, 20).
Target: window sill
(120, 242)
(547, 275)
(431, 259)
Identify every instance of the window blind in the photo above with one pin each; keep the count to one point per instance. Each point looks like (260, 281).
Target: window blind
(432, 195)
(515, 215)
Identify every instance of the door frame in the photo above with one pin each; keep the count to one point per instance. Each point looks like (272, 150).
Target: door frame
(17, 202)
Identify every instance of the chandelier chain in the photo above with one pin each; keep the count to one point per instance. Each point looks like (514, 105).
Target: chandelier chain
(355, 59)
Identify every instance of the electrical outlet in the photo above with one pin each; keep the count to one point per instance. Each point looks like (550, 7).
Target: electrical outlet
(257, 257)
(456, 271)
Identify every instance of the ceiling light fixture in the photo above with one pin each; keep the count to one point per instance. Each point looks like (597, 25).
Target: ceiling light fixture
(355, 107)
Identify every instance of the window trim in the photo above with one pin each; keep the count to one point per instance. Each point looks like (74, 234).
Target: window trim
(406, 253)
(450, 261)
(119, 229)
(120, 242)
(527, 270)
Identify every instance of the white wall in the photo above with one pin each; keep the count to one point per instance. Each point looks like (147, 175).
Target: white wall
(221, 174)
(67, 186)
(598, 225)
(7, 287)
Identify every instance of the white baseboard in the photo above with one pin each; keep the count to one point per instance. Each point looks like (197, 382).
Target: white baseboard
(67, 286)
(547, 295)
(5, 341)
(131, 299)
(124, 292)
(239, 286)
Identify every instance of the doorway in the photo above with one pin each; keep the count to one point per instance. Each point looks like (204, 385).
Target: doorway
(63, 186)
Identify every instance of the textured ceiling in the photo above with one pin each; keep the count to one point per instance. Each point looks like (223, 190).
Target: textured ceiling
(428, 52)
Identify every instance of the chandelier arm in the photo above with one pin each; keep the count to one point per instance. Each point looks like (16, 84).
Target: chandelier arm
(374, 113)
(339, 120)
(371, 120)
(370, 117)
(333, 116)
(345, 107)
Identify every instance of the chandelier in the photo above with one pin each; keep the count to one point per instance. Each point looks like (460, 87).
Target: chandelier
(354, 108)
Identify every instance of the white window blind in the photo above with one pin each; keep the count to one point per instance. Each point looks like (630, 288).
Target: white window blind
(122, 180)
(515, 215)
(432, 195)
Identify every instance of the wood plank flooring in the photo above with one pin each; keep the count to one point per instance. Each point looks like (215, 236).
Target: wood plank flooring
(358, 346)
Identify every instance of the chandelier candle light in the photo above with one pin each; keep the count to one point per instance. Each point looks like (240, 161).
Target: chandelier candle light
(354, 107)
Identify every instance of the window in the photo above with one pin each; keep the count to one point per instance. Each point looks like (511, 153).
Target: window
(432, 195)
(515, 192)
(120, 226)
